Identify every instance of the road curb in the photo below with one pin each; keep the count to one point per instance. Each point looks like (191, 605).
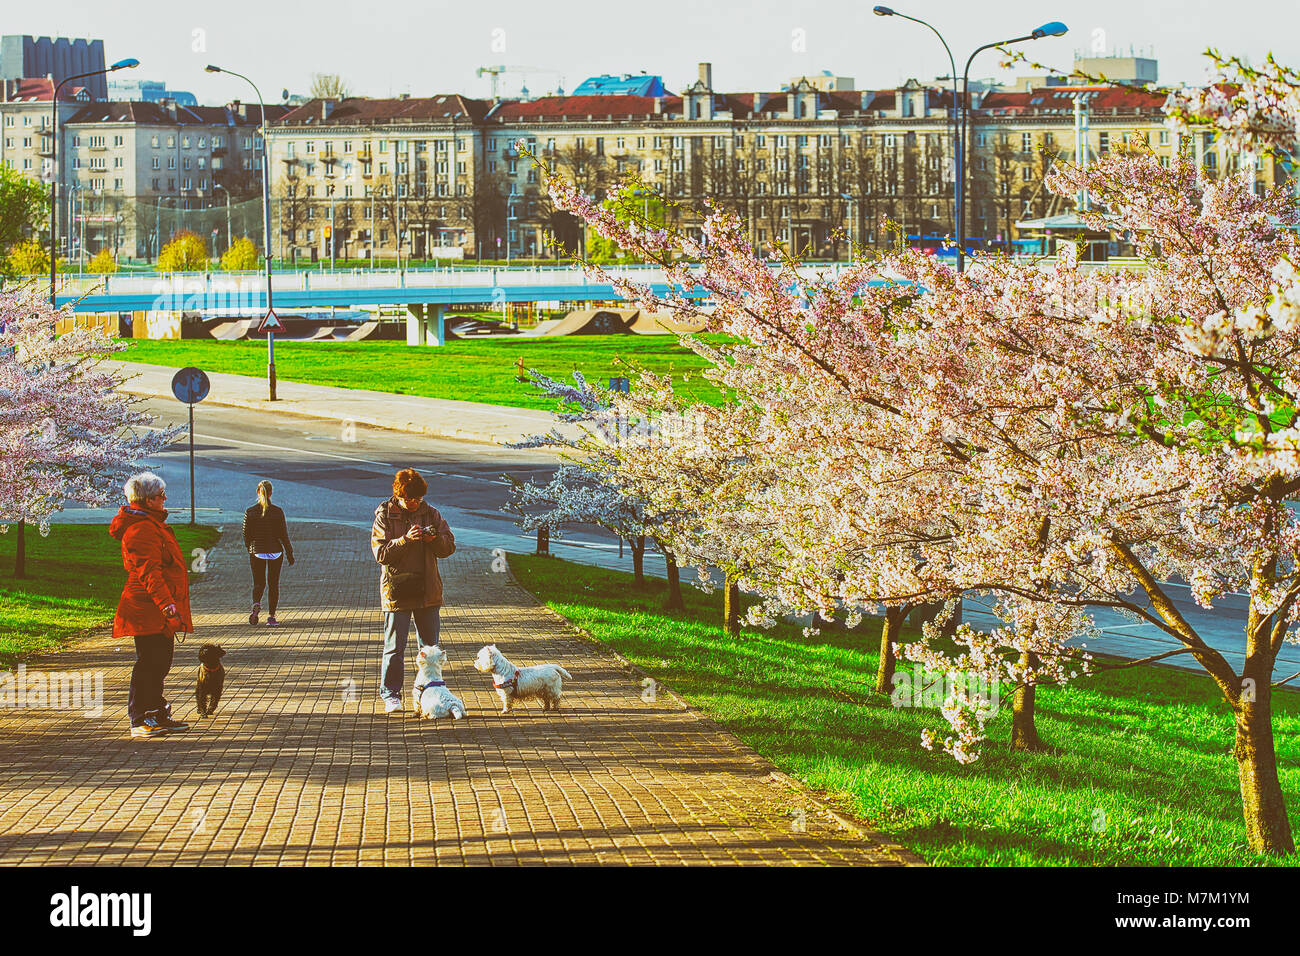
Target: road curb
(281, 408)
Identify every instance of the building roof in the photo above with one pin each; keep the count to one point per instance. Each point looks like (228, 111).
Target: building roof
(630, 84)
(39, 89)
(1099, 100)
(155, 114)
(362, 110)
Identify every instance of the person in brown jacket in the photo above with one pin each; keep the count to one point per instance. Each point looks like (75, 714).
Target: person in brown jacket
(155, 602)
(408, 538)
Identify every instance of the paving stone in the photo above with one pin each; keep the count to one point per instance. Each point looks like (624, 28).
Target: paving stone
(301, 767)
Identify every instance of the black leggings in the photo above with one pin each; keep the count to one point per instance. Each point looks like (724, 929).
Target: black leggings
(268, 581)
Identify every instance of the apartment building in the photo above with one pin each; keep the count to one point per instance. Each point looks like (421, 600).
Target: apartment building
(807, 167)
(129, 172)
(360, 177)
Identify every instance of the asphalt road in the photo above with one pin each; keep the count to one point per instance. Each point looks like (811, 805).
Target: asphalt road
(322, 473)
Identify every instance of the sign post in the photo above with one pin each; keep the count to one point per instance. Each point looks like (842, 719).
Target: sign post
(190, 385)
(270, 324)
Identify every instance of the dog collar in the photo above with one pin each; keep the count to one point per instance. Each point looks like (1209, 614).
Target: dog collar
(421, 688)
(210, 670)
(513, 683)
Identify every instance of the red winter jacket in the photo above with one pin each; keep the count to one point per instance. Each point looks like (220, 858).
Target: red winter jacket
(156, 574)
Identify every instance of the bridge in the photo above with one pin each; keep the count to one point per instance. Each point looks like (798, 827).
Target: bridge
(424, 293)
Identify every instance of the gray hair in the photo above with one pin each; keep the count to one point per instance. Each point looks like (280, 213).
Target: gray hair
(143, 486)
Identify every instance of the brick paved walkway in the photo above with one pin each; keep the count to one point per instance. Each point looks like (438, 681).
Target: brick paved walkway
(300, 766)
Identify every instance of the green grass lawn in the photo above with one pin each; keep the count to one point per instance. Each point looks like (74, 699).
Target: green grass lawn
(1142, 773)
(466, 370)
(74, 578)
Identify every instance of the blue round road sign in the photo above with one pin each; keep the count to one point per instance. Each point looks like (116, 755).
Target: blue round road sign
(190, 385)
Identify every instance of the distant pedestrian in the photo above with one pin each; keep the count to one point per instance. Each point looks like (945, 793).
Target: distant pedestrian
(408, 538)
(155, 602)
(266, 535)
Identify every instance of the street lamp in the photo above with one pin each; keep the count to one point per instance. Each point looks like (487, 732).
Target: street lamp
(54, 157)
(266, 229)
(1053, 29)
(882, 11)
(229, 238)
(852, 220)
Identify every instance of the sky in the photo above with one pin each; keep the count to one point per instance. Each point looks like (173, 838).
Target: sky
(426, 48)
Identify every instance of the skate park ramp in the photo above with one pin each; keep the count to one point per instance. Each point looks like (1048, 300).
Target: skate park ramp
(664, 323)
(616, 321)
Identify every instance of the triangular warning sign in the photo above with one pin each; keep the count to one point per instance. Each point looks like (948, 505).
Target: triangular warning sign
(271, 323)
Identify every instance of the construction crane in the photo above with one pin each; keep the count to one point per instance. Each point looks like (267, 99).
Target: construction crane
(497, 71)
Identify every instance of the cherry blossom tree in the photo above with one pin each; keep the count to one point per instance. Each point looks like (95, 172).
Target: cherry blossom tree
(66, 433)
(1059, 438)
(589, 487)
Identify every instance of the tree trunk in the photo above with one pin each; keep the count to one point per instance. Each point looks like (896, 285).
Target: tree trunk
(1024, 734)
(893, 627)
(731, 607)
(543, 540)
(675, 601)
(1267, 828)
(638, 560)
(20, 551)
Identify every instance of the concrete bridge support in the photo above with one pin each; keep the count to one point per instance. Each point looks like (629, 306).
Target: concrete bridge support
(424, 324)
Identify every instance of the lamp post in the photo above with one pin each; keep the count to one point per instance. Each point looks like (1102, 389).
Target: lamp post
(71, 200)
(54, 157)
(1053, 29)
(960, 112)
(266, 227)
(229, 236)
(852, 221)
(958, 198)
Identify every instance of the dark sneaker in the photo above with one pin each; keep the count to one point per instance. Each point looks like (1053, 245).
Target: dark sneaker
(151, 727)
(272, 622)
(173, 726)
(252, 618)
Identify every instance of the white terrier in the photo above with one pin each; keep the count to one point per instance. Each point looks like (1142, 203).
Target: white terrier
(432, 698)
(520, 683)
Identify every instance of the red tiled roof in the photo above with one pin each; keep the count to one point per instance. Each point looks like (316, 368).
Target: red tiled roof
(1063, 97)
(356, 110)
(38, 89)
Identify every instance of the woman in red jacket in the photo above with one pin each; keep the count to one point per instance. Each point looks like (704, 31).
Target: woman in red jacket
(155, 602)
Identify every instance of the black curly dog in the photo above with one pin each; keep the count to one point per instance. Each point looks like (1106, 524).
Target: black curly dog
(212, 679)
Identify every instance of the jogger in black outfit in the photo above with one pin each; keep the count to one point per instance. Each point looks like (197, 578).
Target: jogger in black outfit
(266, 535)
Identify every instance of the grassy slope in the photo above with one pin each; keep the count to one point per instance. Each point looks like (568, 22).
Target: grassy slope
(1142, 776)
(482, 371)
(74, 578)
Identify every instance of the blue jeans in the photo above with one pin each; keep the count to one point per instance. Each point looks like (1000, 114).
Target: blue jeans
(397, 626)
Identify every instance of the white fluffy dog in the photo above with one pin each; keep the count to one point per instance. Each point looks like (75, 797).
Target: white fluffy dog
(520, 683)
(432, 698)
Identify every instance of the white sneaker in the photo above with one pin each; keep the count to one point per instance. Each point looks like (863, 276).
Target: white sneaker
(391, 705)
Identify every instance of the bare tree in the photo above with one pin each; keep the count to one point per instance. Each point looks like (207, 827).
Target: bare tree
(330, 86)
